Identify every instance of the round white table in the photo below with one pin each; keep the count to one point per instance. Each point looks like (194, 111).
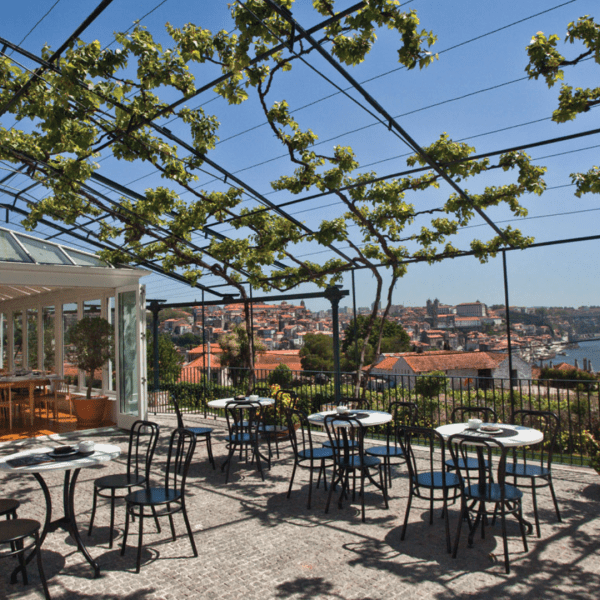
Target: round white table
(523, 436)
(36, 462)
(222, 402)
(375, 417)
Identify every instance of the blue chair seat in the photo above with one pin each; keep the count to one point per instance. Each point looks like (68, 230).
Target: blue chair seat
(470, 464)
(522, 470)
(351, 444)
(385, 451)
(153, 496)
(435, 480)
(354, 462)
(200, 430)
(317, 453)
(491, 492)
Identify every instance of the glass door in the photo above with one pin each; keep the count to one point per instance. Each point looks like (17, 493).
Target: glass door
(130, 355)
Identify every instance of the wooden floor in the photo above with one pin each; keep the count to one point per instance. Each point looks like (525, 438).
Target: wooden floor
(22, 427)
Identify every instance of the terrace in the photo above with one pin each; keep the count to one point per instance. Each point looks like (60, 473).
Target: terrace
(254, 543)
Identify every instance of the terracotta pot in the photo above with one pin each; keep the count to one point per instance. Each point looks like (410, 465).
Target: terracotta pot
(90, 413)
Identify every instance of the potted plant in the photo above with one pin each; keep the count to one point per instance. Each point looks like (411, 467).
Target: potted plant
(92, 342)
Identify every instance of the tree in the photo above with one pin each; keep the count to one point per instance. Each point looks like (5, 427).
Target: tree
(317, 352)
(546, 61)
(88, 100)
(281, 375)
(169, 360)
(388, 335)
(236, 344)
(187, 340)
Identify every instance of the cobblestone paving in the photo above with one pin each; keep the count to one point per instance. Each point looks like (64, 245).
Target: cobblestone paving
(255, 543)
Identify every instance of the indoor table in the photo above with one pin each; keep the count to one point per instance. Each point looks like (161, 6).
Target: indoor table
(24, 381)
(42, 460)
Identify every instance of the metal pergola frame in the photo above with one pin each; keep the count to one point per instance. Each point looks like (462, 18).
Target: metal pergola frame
(85, 232)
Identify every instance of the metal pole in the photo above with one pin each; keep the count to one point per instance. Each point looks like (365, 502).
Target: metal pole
(506, 306)
(358, 375)
(334, 295)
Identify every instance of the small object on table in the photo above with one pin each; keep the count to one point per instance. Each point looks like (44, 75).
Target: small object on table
(86, 446)
(491, 429)
(342, 410)
(474, 423)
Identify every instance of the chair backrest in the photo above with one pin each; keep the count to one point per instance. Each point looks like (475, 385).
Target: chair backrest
(403, 414)
(262, 391)
(429, 440)
(180, 424)
(284, 399)
(244, 416)
(181, 449)
(461, 414)
(142, 444)
(546, 422)
(300, 437)
(355, 403)
(462, 446)
(341, 428)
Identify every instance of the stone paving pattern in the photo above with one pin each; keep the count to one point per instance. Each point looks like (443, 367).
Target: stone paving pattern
(255, 543)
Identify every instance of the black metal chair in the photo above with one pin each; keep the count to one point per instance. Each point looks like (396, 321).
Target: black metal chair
(199, 432)
(353, 405)
(403, 413)
(169, 499)
(304, 450)
(8, 508)
(348, 459)
(15, 532)
(276, 413)
(142, 444)
(461, 414)
(428, 482)
(244, 423)
(480, 489)
(535, 462)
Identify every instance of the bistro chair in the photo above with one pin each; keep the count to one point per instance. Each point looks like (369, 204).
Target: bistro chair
(480, 490)
(15, 532)
(142, 444)
(305, 454)
(356, 404)
(199, 432)
(244, 423)
(429, 479)
(169, 499)
(57, 394)
(276, 413)
(534, 463)
(461, 414)
(403, 413)
(351, 460)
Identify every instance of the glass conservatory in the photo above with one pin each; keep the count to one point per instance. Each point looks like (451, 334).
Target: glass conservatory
(45, 288)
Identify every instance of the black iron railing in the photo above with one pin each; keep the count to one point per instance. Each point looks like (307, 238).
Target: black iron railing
(575, 402)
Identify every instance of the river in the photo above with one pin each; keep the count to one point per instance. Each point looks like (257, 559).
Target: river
(589, 350)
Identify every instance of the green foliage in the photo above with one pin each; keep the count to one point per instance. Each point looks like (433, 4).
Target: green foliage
(281, 375)
(431, 384)
(570, 379)
(317, 352)
(92, 340)
(169, 360)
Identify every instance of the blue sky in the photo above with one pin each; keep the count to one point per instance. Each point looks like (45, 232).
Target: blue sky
(472, 92)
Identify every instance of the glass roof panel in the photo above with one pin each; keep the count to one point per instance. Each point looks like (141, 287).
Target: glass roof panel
(85, 260)
(43, 253)
(9, 249)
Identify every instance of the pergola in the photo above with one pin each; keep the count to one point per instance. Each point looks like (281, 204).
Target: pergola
(44, 289)
(115, 190)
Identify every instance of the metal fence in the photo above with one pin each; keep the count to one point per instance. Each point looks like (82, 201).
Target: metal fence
(574, 402)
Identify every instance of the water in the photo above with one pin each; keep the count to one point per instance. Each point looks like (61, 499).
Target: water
(589, 350)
